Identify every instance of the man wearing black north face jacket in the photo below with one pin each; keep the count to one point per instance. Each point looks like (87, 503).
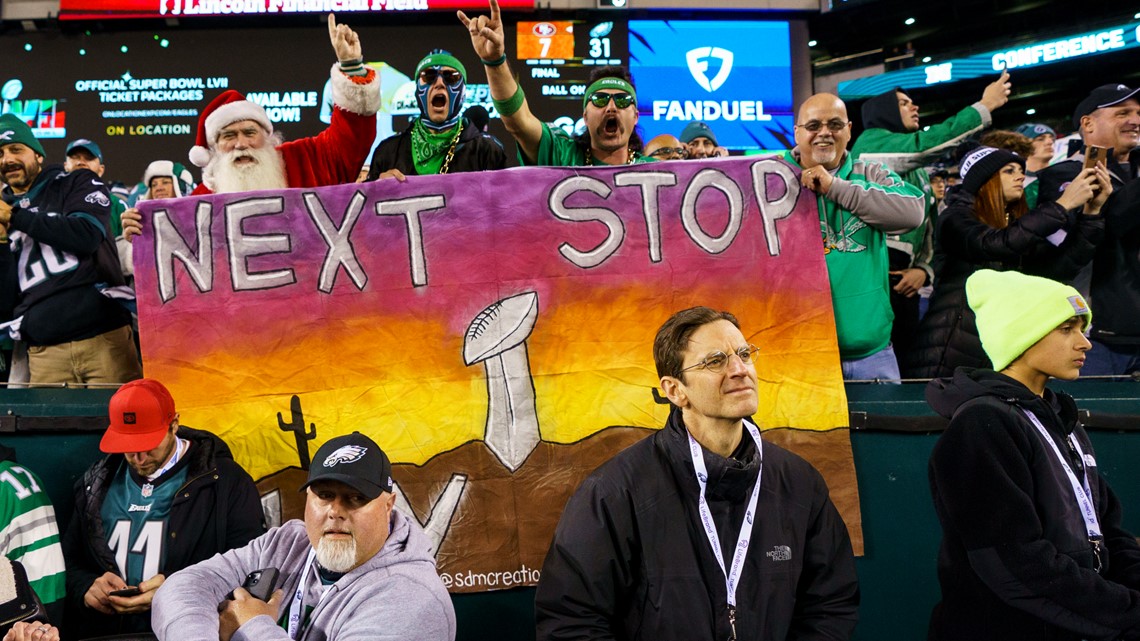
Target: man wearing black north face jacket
(702, 530)
(61, 272)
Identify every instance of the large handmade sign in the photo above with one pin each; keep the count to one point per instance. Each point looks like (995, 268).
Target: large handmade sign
(492, 331)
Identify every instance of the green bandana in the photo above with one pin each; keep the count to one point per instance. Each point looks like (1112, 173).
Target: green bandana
(441, 60)
(608, 83)
(429, 148)
(13, 129)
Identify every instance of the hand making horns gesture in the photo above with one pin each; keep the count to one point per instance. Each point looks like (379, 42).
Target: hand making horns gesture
(486, 33)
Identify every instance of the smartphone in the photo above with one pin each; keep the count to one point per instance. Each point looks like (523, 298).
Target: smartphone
(126, 592)
(259, 583)
(1094, 155)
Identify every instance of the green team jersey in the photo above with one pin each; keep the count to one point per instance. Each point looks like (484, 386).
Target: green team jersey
(556, 149)
(30, 534)
(135, 514)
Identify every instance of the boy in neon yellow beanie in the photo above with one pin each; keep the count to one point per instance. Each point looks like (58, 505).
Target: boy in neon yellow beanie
(1032, 545)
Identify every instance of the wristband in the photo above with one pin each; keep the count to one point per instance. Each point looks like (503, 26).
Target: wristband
(510, 105)
(496, 62)
(354, 67)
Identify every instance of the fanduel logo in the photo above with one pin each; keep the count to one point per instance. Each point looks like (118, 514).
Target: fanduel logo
(698, 60)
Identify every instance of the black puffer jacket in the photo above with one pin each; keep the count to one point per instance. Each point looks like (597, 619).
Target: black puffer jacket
(217, 509)
(630, 560)
(948, 337)
(476, 151)
(1015, 562)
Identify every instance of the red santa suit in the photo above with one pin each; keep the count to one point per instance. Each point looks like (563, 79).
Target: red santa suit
(332, 157)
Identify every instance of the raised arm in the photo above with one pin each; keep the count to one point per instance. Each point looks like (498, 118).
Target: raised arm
(489, 42)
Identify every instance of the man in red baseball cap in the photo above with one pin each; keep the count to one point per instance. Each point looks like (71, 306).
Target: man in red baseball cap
(167, 496)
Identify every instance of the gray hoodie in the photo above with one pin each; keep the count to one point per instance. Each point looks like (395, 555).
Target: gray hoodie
(396, 594)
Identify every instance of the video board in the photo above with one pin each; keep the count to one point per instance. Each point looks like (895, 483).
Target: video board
(554, 60)
(734, 75)
(139, 93)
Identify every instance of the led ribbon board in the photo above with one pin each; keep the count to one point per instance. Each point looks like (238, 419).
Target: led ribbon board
(990, 63)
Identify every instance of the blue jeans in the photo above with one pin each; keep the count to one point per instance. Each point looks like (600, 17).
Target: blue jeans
(882, 366)
(1103, 360)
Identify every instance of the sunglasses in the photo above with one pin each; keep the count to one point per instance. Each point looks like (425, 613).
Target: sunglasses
(669, 153)
(451, 77)
(834, 125)
(621, 100)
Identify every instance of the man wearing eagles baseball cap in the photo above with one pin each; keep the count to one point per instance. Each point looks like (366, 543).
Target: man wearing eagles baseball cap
(61, 270)
(166, 496)
(354, 567)
(1032, 543)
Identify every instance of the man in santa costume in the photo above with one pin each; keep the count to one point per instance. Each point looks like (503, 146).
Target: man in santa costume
(239, 151)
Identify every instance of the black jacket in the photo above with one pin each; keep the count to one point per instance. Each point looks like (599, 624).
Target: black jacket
(1116, 270)
(476, 151)
(217, 509)
(61, 253)
(947, 337)
(630, 559)
(1015, 561)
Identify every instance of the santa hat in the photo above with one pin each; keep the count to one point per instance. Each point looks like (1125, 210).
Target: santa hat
(226, 109)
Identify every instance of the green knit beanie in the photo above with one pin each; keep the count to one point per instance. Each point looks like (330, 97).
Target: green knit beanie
(13, 129)
(1014, 311)
(441, 58)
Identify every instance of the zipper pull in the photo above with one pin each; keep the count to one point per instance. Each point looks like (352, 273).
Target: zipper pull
(732, 620)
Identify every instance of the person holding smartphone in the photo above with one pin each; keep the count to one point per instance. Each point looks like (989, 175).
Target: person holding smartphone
(987, 223)
(1109, 118)
(356, 567)
(166, 496)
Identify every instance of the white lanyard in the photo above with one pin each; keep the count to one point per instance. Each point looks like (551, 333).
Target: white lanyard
(732, 575)
(295, 608)
(1082, 493)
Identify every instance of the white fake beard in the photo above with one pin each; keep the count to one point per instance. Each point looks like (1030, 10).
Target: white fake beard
(268, 172)
(337, 556)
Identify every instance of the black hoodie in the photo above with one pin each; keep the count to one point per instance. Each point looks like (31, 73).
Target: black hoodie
(882, 112)
(1015, 561)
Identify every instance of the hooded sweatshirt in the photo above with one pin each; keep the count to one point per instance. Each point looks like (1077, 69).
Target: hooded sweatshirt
(395, 595)
(887, 141)
(1015, 561)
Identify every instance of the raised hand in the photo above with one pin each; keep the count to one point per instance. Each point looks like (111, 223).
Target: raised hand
(345, 42)
(997, 92)
(486, 33)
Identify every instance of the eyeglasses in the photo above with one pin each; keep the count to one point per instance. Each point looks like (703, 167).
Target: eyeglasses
(621, 100)
(669, 153)
(717, 361)
(451, 77)
(834, 125)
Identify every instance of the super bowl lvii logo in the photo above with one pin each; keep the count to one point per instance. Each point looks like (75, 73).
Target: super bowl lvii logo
(699, 60)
